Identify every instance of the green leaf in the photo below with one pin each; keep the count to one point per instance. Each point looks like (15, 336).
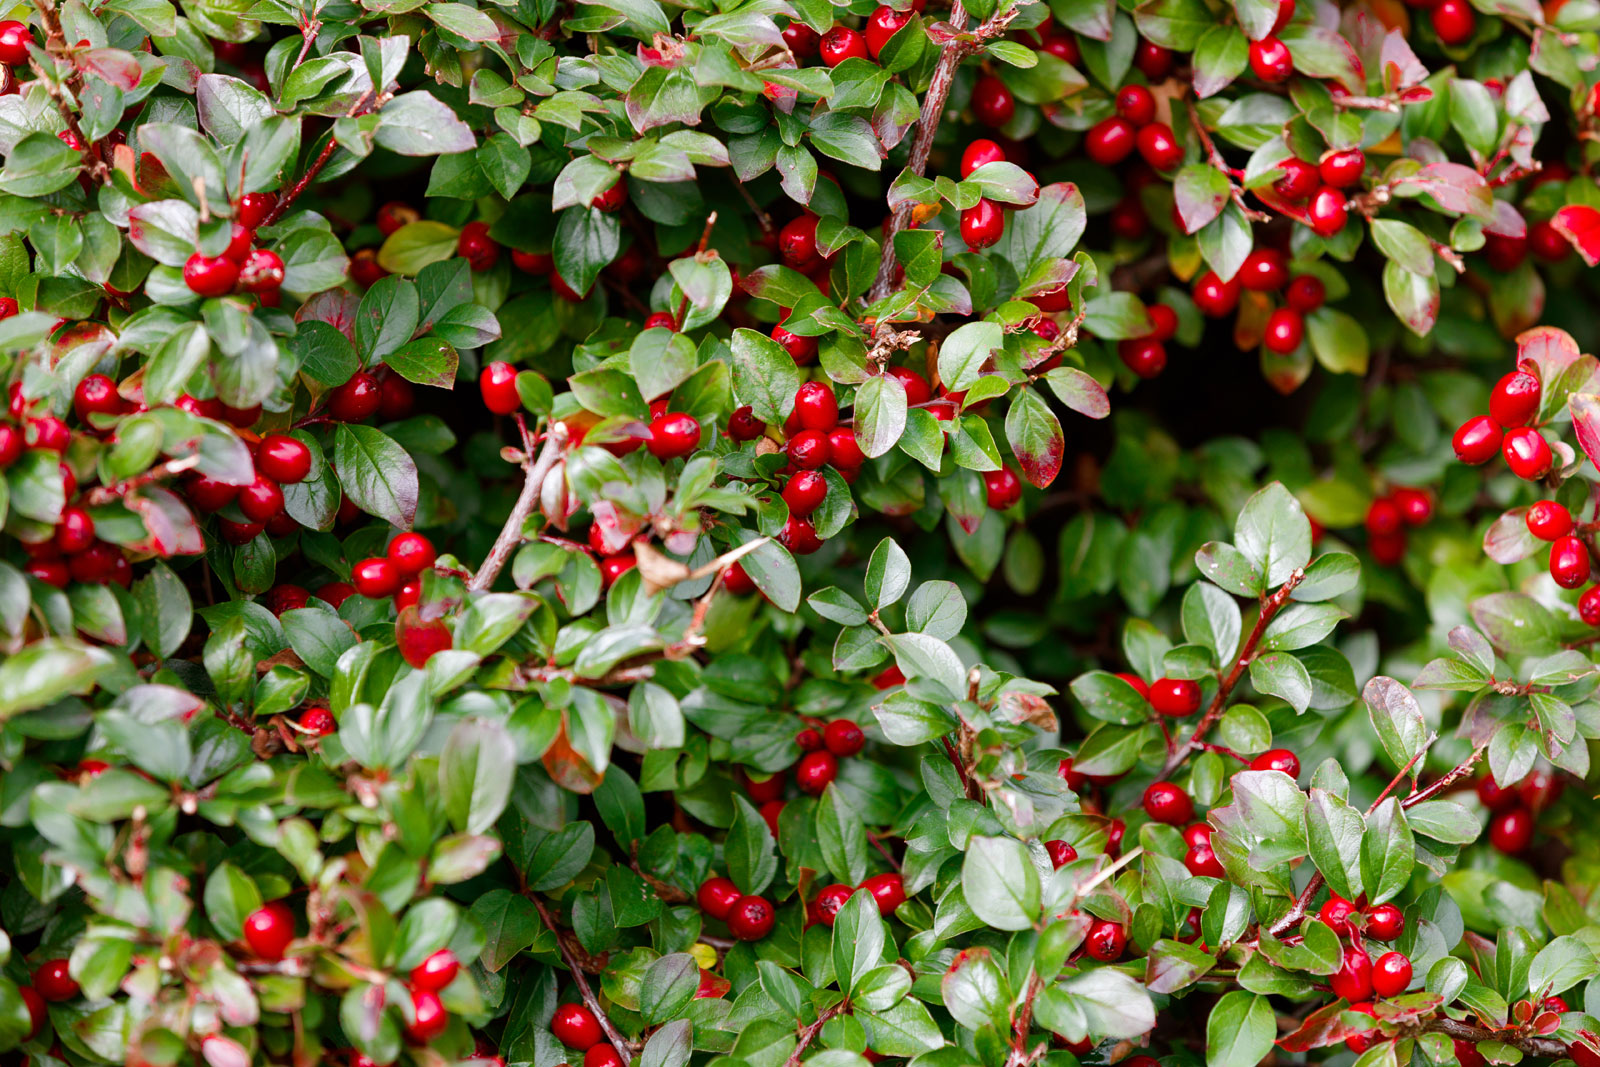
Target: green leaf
(1001, 883)
(1334, 834)
(764, 375)
(750, 851)
(476, 771)
(841, 836)
(1273, 534)
(1240, 1030)
(858, 939)
(376, 473)
(1388, 853)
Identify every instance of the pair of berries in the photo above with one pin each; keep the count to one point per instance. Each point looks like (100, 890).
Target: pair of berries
(575, 1026)
(888, 893)
(240, 266)
(1359, 977)
(1134, 126)
(395, 572)
(1513, 405)
(1387, 519)
(839, 739)
(749, 918)
(1385, 922)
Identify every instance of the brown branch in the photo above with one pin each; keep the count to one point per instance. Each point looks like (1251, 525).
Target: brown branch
(1020, 1056)
(555, 439)
(621, 1044)
(1270, 606)
(809, 1033)
(1446, 782)
(1547, 1047)
(927, 126)
(282, 206)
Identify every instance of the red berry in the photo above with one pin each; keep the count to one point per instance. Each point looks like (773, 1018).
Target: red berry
(1527, 453)
(364, 268)
(751, 919)
(282, 458)
(538, 262)
(716, 898)
(1285, 15)
(210, 275)
(1359, 1043)
(762, 790)
(843, 450)
(269, 929)
(1270, 60)
(1110, 141)
(797, 242)
(815, 407)
(1453, 21)
(1569, 562)
(1547, 243)
(1153, 61)
(1277, 759)
(992, 103)
(1164, 322)
(1002, 488)
(809, 740)
(575, 1026)
(239, 533)
(799, 537)
(1202, 862)
(918, 391)
(808, 449)
(883, 24)
(1145, 356)
(1060, 853)
(356, 399)
(1589, 605)
(253, 209)
(614, 567)
(744, 426)
(1416, 505)
(1265, 270)
(1385, 922)
(1159, 146)
(53, 981)
(842, 43)
(979, 153)
(1391, 974)
(11, 445)
(737, 581)
(1175, 696)
(1305, 294)
(1555, 1004)
(1478, 440)
(1114, 832)
(75, 530)
(1137, 104)
(50, 571)
(1342, 169)
(394, 214)
(1467, 1055)
(1336, 914)
(261, 271)
(1383, 518)
(1286, 328)
(96, 395)
(801, 39)
(888, 890)
(983, 224)
(1128, 219)
(1215, 297)
(1539, 789)
(1167, 803)
(38, 1013)
(1105, 940)
(261, 499)
(1197, 833)
(48, 433)
(15, 37)
(891, 676)
(814, 771)
(375, 578)
(843, 738)
(673, 435)
(1327, 212)
(1548, 520)
(498, 384)
(285, 597)
(1504, 253)
(428, 1017)
(612, 197)
(1300, 179)
(805, 492)
(803, 350)
(1063, 46)
(603, 1056)
(477, 247)
(319, 722)
(411, 554)
(1353, 979)
(830, 900)
(1514, 401)
(435, 972)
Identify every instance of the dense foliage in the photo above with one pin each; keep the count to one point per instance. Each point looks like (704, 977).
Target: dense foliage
(783, 653)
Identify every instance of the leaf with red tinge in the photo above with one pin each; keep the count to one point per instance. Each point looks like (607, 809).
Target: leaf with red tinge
(567, 767)
(115, 66)
(336, 307)
(1508, 539)
(1200, 191)
(1079, 391)
(170, 526)
(1454, 187)
(1580, 225)
(1322, 53)
(1401, 67)
(1036, 438)
(1507, 221)
(1325, 1026)
(1585, 408)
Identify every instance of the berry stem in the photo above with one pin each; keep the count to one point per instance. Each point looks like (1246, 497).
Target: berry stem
(1020, 1056)
(511, 533)
(621, 1044)
(1270, 606)
(809, 1032)
(1447, 781)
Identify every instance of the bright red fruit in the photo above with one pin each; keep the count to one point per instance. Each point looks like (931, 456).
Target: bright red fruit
(269, 929)
(1166, 803)
(1496, 798)
(210, 275)
(814, 771)
(375, 578)
(797, 242)
(744, 426)
(498, 384)
(477, 247)
(1385, 922)
(1215, 297)
(1383, 517)
(411, 554)
(1527, 453)
(843, 738)
(1391, 974)
(96, 395)
(1569, 562)
(1353, 979)
(888, 890)
(801, 39)
(805, 492)
(1514, 401)
(614, 567)
(1277, 759)
(1300, 179)
(1153, 60)
(1336, 913)
(435, 972)
(1478, 440)
(918, 391)
(428, 1017)
(75, 530)
(883, 24)
(612, 197)
(803, 350)
(751, 919)
(1548, 520)
(982, 224)
(992, 102)
(282, 458)
(53, 981)
(603, 1056)
(799, 537)
(1343, 168)
(1105, 940)
(1265, 270)
(717, 896)
(830, 900)
(1145, 356)
(843, 450)
(673, 435)
(1270, 60)
(319, 722)
(1060, 853)
(1416, 505)
(38, 1013)
(575, 1026)
(1202, 861)
(356, 399)
(1002, 488)
(842, 43)
(1175, 696)
(1306, 293)
(1136, 104)
(978, 153)
(1454, 21)
(1547, 243)
(1110, 141)
(1327, 212)
(1159, 146)
(15, 37)
(815, 406)
(261, 499)
(260, 271)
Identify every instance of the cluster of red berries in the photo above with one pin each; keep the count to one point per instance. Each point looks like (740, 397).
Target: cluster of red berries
(823, 745)
(841, 42)
(1360, 978)
(1314, 193)
(1569, 554)
(1513, 406)
(797, 249)
(428, 1014)
(984, 223)
(749, 917)
(241, 267)
(888, 892)
(1387, 519)
(576, 1027)
(1134, 126)
(397, 573)
(1515, 808)
(52, 983)
(813, 439)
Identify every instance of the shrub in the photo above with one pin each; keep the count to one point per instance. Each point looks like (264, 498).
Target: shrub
(765, 680)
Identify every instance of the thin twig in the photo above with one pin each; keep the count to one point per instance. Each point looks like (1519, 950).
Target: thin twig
(282, 206)
(1446, 782)
(511, 533)
(809, 1032)
(1547, 1047)
(621, 1044)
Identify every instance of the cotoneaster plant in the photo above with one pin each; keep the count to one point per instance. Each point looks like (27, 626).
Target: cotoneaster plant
(786, 654)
